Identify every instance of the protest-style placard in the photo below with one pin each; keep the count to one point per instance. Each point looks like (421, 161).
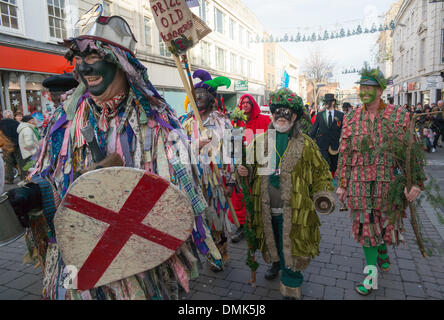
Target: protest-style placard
(179, 28)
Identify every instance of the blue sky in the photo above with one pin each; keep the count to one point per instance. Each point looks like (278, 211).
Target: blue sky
(308, 16)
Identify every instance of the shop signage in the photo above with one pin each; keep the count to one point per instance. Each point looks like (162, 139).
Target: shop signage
(412, 86)
(431, 83)
(405, 87)
(241, 85)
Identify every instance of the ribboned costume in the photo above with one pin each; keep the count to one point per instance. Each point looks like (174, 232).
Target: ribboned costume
(367, 174)
(285, 222)
(136, 125)
(216, 125)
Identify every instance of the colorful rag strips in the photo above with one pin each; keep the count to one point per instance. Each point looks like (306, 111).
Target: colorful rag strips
(367, 174)
(137, 128)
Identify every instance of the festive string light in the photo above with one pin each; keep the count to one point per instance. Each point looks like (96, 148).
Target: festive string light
(327, 35)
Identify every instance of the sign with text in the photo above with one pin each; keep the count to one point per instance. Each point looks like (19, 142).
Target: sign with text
(241, 85)
(179, 28)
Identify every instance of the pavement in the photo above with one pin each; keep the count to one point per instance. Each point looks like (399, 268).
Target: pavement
(330, 276)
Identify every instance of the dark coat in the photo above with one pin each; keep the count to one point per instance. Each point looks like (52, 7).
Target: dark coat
(9, 129)
(327, 137)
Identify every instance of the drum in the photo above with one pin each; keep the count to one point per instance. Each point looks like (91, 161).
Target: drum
(10, 226)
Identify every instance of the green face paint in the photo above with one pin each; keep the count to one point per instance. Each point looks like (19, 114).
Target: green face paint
(367, 94)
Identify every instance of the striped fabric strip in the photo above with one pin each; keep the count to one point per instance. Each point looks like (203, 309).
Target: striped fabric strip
(79, 124)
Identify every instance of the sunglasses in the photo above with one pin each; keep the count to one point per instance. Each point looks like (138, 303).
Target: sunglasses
(282, 112)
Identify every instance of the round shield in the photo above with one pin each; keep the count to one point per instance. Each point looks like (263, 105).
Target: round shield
(116, 222)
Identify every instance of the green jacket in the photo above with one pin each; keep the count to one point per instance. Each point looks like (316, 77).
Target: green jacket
(304, 176)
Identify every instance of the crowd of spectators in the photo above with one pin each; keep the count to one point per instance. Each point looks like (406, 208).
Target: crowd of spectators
(429, 121)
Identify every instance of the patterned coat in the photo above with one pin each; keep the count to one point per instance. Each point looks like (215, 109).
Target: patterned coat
(366, 174)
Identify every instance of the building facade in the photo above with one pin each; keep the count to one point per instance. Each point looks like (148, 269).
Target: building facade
(418, 52)
(29, 33)
(385, 49)
(281, 69)
(229, 50)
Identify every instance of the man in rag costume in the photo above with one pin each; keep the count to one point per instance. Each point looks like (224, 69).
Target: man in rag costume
(366, 175)
(215, 169)
(132, 124)
(286, 192)
(256, 123)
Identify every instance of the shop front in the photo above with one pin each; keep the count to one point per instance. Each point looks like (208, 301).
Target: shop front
(22, 72)
(431, 89)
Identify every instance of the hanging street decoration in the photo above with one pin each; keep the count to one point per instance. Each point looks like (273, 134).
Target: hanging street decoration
(351, 71)
(327, 35)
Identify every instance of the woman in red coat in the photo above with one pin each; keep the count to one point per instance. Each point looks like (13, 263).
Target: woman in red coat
(257, 123)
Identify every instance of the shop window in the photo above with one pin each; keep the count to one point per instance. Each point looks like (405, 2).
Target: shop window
(233, 63)
(57, 16)
(218, 20)
(232, 27)
(203, 10)
(164, 52)
(106, 8)
(205, 53)
(147, 34)
(220, 59)
(10, 14)
(442, 46)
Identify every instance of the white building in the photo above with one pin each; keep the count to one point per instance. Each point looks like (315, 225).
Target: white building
(385, 49)
(281, 69)
(29, 32)
(418, 52)
(227, 51)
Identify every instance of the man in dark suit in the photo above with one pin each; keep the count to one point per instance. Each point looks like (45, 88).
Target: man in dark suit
(327, 131)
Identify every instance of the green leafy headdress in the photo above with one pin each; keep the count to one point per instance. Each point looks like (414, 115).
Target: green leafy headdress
(285, 98)
(372, 77)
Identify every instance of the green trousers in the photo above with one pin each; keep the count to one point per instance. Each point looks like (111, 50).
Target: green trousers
(289, 278)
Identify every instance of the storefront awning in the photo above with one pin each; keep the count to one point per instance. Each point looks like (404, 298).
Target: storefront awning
(32, 61)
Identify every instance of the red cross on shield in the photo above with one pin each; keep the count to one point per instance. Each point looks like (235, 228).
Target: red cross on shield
(116, 222)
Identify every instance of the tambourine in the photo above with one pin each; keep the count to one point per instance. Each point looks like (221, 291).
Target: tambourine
(333, 152)
(324, 205)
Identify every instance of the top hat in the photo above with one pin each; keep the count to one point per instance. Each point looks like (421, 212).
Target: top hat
(329, 97)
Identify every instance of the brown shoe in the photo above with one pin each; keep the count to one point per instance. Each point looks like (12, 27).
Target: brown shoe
(290, 293)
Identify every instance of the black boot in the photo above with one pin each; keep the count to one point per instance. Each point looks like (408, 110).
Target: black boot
(238, 235)
(273, 271)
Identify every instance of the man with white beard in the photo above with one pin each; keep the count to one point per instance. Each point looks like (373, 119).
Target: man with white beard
(287, 193)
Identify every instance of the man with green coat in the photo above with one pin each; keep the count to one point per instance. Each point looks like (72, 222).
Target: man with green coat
(287, 189)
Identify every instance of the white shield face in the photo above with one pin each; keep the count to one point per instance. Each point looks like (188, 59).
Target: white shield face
(117, 222)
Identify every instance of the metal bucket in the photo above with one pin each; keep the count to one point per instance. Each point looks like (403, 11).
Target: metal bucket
(10, 226)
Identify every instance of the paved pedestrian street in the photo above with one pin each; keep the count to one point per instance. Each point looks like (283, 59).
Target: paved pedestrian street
(331, 276)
